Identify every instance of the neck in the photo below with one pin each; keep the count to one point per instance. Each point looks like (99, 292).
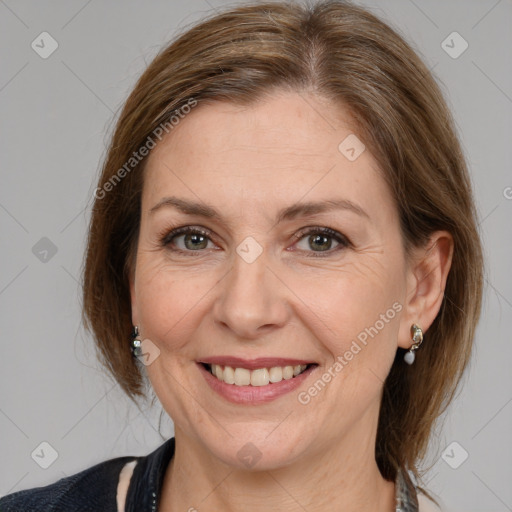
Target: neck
(338, 474)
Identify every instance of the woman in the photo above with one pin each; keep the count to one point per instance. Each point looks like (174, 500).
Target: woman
(285, 223)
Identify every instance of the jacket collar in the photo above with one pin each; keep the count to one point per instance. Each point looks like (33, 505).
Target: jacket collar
(148, 476)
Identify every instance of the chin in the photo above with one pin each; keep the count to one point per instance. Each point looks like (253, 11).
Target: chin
(255, 453)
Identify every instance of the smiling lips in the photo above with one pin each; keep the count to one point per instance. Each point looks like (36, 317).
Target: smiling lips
(255, 372)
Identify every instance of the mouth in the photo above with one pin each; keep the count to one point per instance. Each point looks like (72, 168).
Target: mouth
(256, 381)
(256, 377)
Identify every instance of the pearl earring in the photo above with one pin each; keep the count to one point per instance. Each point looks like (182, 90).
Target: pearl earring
(417, 338)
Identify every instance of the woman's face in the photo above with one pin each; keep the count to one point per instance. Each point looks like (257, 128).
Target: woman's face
(262, 281)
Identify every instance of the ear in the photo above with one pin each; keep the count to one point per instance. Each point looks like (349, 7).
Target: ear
(427, 272)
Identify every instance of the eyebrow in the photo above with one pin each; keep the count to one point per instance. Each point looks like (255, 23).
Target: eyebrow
(288, 213)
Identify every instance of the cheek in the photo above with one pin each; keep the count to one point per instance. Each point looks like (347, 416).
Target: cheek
(357, 328)
(354, 313)
(355, 296)
(168, 300)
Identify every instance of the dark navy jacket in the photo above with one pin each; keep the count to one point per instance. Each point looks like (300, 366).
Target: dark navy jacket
(95, 488)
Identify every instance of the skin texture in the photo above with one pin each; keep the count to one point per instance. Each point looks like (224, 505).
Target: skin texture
(248, 163)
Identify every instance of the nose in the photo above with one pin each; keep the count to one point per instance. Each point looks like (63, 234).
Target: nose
(251, 299)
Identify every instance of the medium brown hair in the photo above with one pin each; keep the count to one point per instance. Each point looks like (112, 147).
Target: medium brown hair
(344, 54)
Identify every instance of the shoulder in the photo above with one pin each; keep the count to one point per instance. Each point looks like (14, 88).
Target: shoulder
(92, 489)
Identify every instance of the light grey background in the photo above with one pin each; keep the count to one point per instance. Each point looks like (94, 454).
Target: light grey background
(56, 114)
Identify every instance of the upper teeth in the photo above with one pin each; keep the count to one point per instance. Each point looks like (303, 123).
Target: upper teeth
(259, 377)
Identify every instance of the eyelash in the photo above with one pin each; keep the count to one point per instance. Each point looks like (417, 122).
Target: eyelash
(167, 236)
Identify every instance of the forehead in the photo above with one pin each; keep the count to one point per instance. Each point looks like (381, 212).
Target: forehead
(281, 149)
